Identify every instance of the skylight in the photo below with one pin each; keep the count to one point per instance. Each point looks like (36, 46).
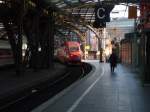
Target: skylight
(120, 11)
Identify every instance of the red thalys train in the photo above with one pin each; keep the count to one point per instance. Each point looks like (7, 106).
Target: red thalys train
(70, 53)
(6, 56)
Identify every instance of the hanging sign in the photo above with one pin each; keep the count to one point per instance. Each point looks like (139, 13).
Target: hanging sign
(101, 13)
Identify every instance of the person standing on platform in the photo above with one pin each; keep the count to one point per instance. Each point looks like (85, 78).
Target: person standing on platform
(113, 60)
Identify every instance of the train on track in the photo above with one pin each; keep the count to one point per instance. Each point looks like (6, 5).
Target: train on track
(6, 55)
(70, 53)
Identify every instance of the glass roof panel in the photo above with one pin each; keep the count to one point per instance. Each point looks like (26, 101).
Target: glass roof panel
(79, 2)
(72, 1)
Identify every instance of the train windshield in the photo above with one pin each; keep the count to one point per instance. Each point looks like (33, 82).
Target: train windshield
(73, 48)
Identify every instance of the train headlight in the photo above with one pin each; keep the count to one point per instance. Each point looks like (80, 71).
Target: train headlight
(71, 55)
(67, 56)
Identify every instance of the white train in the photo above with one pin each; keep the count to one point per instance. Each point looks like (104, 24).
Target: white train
(6, 55)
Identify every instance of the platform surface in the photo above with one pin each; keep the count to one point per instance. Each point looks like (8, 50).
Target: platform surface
(102, 91)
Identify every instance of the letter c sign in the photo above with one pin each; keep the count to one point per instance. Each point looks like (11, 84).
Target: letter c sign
(101, 13)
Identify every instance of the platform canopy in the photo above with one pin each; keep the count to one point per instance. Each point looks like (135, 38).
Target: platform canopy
(77, 14)
(82, 11)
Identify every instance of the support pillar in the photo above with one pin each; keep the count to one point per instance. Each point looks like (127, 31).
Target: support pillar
(51, 37)
(100, 45)
(19, 40)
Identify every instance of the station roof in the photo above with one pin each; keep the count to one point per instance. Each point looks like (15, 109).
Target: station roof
(78, 3)
(73, 13)
(81, 10)
(84, 9)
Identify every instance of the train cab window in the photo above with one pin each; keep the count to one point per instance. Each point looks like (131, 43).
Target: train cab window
(73, 49)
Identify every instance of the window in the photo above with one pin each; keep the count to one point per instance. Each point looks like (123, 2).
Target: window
(73, 49)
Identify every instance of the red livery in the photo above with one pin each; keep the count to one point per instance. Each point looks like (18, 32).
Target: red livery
(70, 53)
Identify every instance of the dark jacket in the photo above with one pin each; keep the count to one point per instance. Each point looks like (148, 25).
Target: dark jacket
(113, 59)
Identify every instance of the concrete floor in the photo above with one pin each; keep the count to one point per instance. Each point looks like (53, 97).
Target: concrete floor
(102, 91)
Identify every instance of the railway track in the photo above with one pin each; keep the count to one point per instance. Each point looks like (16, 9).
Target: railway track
(32, 97)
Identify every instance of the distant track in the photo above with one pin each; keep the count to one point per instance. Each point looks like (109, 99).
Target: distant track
(32, 97)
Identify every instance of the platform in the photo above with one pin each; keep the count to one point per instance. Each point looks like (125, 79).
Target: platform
(102, 91)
